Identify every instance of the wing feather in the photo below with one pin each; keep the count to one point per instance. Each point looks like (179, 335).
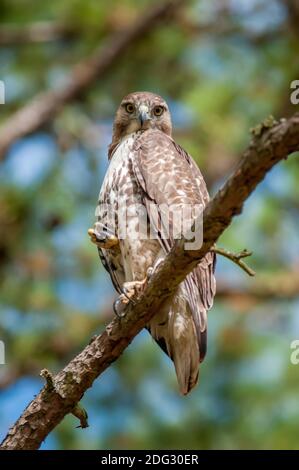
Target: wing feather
(168, 175)
(108, 265)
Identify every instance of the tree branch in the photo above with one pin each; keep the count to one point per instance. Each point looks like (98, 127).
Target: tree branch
(48, 408)
(224, 26)
(45, 106)
(40, 31)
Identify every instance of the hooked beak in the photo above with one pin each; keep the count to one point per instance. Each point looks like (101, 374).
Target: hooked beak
(144, 115)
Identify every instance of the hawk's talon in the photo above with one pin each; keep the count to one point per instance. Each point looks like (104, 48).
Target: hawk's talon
(152, 269)
(149, 272)
(130, 291)
(103, 239)
(119, 308)
(121, 303)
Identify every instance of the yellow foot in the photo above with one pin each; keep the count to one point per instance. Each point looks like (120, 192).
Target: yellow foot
(103, 239)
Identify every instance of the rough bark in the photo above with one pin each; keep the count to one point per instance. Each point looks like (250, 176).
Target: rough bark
(270, 144)
(44, 107)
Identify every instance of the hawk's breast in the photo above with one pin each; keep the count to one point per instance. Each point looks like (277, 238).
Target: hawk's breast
(121, 209)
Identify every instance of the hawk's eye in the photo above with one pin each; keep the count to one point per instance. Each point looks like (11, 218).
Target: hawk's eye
(130, 108)
(158, 110)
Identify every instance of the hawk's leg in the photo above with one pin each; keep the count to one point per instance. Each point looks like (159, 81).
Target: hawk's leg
(130, 292)
(103, 239)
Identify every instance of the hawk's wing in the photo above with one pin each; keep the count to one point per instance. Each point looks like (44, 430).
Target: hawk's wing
(107, 262)
(168, 175)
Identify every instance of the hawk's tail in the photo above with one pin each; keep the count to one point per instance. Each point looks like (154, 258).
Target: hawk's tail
(180, 329)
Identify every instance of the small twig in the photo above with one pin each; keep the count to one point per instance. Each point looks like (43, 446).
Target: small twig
(82, 415)
(48, 378)
(236, 258)
(78, 411)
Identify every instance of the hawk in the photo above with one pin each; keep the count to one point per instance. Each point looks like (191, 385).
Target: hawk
(148, 167)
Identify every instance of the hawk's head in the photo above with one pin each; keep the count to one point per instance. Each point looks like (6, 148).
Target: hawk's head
(140, 111)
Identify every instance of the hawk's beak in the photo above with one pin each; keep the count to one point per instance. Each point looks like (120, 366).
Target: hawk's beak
(144, 115)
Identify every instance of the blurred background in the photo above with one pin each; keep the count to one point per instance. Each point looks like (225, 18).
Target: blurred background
(223, 66)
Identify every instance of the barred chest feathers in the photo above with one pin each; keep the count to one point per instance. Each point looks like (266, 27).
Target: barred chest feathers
(120, 201)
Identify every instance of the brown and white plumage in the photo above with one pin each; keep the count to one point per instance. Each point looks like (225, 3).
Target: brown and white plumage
(148, 167)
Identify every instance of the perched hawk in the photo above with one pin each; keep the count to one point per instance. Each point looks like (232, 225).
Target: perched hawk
(148, 167)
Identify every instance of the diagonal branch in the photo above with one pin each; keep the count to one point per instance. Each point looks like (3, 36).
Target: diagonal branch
(40, 31)
(47, 409)
(45, 106)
